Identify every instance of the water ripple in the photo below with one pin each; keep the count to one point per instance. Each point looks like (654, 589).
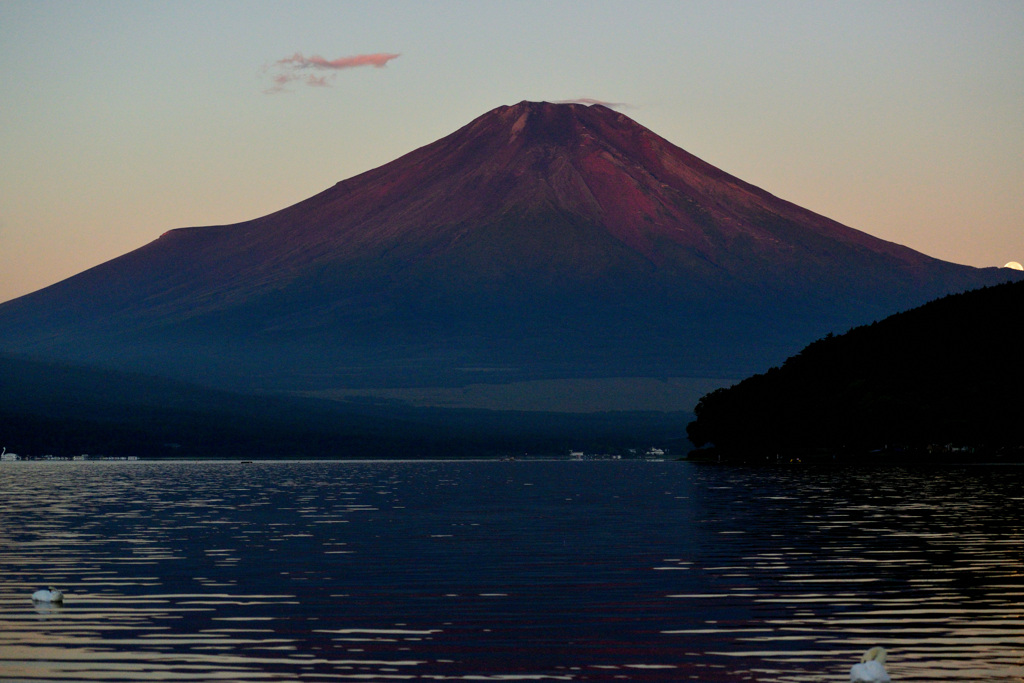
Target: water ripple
(508, 571)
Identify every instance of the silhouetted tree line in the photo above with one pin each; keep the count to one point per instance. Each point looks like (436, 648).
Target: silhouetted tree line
(949, 373)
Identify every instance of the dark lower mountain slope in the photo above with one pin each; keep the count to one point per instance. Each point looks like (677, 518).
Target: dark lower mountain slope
(538, 241)
(61, 410)
(949, 372)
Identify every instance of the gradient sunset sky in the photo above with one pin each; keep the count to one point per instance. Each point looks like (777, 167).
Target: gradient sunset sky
(121, 120)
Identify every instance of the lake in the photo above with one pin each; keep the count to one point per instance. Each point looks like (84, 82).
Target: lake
(510, 571)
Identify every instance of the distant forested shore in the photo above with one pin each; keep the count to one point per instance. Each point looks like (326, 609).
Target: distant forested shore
(64, 411)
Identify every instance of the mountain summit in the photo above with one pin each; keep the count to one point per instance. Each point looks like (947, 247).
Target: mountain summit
(538, 241)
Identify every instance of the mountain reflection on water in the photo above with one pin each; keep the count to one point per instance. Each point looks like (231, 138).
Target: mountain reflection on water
(586, 571)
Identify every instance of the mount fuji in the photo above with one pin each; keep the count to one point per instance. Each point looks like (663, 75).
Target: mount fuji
(539, 242)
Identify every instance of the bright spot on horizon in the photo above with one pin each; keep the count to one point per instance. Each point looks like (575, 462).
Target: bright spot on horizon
(1014, 265)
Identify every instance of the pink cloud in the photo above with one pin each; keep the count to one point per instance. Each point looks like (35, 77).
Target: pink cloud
(318, 81)
(284, 71)
(297, 61)
(279, 82)
(590, 100)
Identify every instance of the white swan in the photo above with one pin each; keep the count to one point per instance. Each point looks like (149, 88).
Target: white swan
(50, 594)
(871, 668)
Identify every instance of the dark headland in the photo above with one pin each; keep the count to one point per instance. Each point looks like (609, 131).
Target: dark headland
(941, 383)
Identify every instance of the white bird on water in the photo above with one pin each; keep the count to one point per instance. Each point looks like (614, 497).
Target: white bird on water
(871, 668)
(50, 594)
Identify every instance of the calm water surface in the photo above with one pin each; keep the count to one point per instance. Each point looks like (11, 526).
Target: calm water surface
(579, 571)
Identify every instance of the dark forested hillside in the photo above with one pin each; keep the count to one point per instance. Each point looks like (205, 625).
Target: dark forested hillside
(949, 373)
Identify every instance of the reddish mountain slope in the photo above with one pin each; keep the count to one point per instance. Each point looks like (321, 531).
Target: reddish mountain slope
(540, 240)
